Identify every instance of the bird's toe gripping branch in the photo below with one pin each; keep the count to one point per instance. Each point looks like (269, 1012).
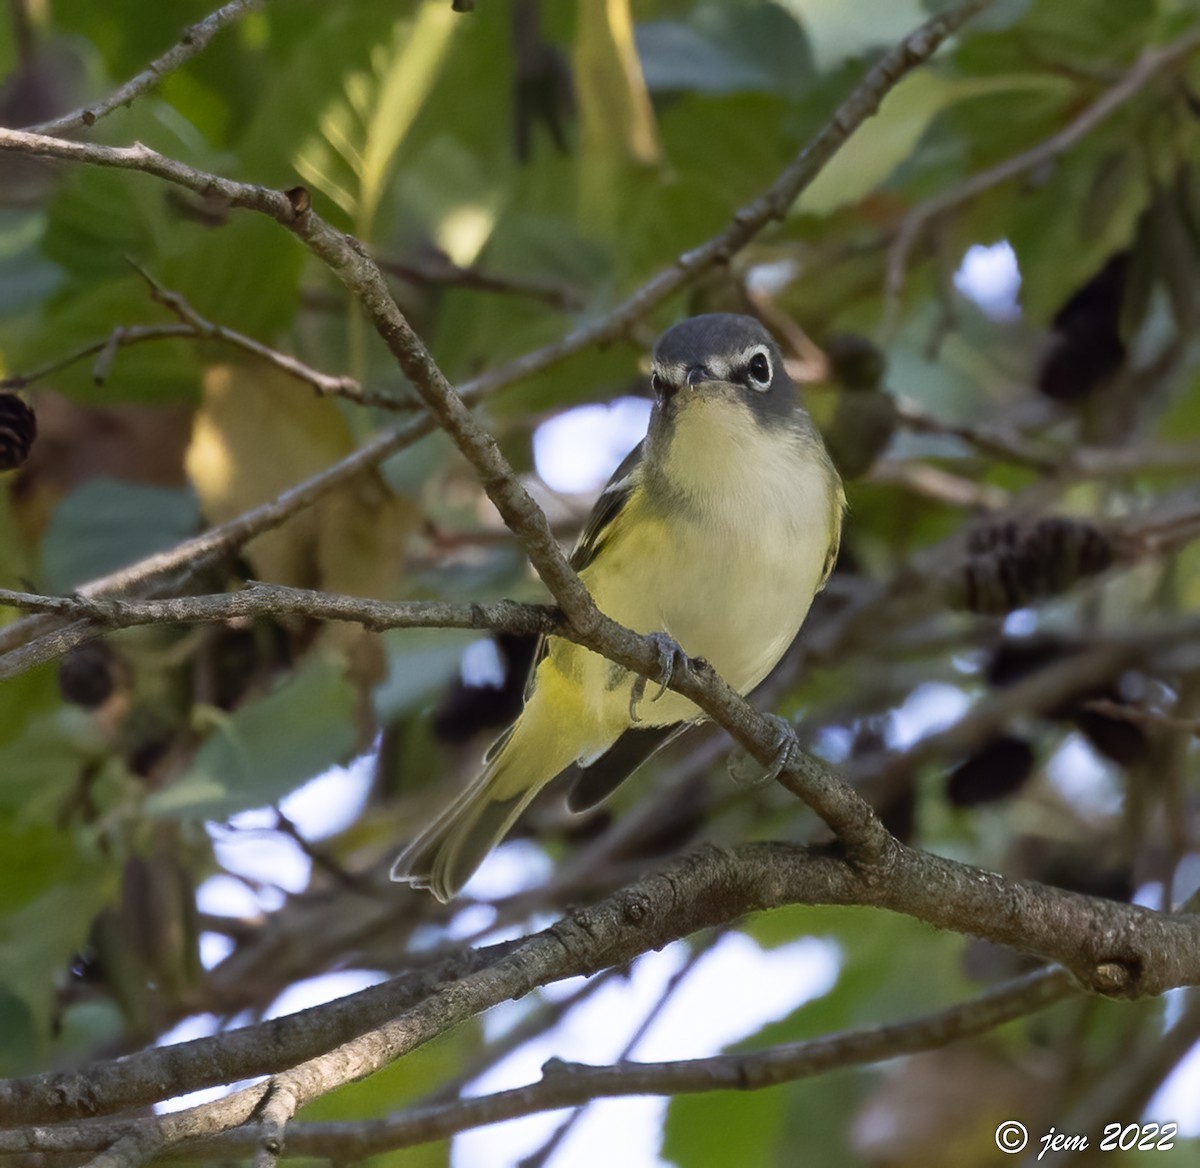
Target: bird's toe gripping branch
(670, 658)
(745, 770)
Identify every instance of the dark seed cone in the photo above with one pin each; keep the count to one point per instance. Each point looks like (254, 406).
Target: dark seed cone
(18, 429)
(996, 770)
(1010, 565)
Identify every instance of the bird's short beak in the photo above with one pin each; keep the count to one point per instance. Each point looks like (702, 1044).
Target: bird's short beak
(697, 374)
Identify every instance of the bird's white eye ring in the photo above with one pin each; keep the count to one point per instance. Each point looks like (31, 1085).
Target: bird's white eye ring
(758, 369)
(656, 382)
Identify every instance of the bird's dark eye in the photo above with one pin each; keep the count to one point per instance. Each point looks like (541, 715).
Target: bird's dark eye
(760, 370)
(656, 383)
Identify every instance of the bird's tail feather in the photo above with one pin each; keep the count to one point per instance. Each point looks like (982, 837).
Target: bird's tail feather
(444, 856)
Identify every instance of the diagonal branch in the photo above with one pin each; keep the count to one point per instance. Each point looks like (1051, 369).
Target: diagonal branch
(263, 1048)
(194, 40)
(746, 223)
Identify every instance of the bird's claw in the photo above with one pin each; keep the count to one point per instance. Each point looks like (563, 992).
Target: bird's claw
(670, 658)
(744, 770)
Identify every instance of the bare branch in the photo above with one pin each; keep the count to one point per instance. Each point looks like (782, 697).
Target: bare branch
(569, 1084)
(94, 617)
(157, 1073)
(1145, 69)
(1117, 949)
(566, 1084)
(1008, 447)
(121, 337)
(203, 329)
(1141, 716)
(194, 40)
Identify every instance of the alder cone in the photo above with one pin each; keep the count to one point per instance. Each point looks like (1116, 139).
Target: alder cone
(18, 429)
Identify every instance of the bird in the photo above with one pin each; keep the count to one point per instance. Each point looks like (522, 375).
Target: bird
(712, 536)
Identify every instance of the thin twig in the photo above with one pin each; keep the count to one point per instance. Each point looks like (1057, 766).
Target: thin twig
(1141, 716)
(194, 40)
(121, 337)
(541, 1157)
(204, 329)
(1009, 448)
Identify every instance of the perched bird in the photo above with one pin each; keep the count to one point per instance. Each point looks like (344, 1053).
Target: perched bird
(713, 535)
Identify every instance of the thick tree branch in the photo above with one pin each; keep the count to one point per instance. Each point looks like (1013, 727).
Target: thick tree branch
(194, 40)
(163, 1072)
(565, 1085)
(1112, 948)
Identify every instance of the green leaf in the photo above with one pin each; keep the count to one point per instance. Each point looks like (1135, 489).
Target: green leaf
(25, 697)
(18, 1034)
(719, 48)
(362, 131)
(267, 747)
(244, 274)
(48, 931)
(25, 277)
(99, 217)
(107, 523)
(839, 30)
(41, 765)
(1058, 252)
(887, 139)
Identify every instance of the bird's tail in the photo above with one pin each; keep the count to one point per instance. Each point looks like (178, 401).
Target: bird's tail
(444, 856)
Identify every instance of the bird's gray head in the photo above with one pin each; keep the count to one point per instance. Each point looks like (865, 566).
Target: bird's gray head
(723, 355)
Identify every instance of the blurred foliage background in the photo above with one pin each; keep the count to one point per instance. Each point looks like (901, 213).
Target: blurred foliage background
(518, 170)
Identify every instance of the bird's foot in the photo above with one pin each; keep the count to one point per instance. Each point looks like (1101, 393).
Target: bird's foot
(746, 771)
(670, 658)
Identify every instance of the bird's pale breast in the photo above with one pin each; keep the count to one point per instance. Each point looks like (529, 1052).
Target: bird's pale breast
(731, 574)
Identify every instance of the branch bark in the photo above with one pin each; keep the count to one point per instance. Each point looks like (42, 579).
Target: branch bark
(1111, 948)
(568, 1084)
